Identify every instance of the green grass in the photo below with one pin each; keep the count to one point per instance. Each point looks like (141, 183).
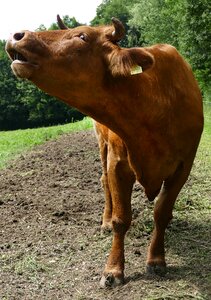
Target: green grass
(16, 142)
(207, 119)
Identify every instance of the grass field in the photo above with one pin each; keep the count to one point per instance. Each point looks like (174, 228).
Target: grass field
(16, 142)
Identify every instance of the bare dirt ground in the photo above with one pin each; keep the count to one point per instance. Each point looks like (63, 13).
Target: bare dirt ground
(51, 246)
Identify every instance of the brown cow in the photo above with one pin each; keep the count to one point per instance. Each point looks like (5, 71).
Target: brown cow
(154, 116)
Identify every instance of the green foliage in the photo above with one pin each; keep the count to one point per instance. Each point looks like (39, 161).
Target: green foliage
(69, 22)
(109, 9)
(197, 37)
(12, 112)
(44, 110)
(186, 24)
(121, 10)
(158, 20)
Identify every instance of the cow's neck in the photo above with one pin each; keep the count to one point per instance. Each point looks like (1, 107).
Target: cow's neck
(124, 113)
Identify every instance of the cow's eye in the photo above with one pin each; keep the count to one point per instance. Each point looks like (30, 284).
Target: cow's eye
(82, 37)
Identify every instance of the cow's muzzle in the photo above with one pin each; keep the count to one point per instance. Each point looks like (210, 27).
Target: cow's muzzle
(22, 63)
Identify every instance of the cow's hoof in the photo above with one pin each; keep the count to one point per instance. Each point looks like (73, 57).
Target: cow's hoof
(109, 281)
(155, 269)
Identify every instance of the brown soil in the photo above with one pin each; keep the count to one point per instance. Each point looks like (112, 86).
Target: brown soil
(51, 246)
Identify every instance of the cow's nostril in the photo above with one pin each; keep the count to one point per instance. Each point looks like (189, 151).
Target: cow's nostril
(18, 36)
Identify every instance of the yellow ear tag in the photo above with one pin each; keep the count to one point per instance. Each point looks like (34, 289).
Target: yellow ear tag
(136, 70)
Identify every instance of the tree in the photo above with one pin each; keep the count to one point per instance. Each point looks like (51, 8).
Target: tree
(44, 110)
(160, 21)
(186, 24)
(121, 10)
(197, 37)
(12, 110)
(69, 22)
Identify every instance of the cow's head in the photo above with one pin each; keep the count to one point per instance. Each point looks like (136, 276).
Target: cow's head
(79, 59)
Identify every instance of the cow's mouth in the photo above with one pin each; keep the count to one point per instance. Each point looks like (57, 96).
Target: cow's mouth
(21, 65)
(17, 56)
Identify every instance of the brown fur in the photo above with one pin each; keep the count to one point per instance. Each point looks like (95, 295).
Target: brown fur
(152, 122)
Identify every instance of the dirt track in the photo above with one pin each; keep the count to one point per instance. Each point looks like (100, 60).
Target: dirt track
(51, 247)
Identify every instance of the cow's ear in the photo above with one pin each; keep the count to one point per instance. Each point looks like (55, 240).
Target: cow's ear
(127, 62)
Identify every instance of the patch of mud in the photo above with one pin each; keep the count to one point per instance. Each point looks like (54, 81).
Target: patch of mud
(51, 247)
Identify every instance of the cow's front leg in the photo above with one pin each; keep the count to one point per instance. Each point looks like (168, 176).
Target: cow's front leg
(113, 274)
(121, 180)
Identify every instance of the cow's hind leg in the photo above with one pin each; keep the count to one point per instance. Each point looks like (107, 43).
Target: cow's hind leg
(107, 214)
(102, 133)
(162, 215)
(120, 180)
